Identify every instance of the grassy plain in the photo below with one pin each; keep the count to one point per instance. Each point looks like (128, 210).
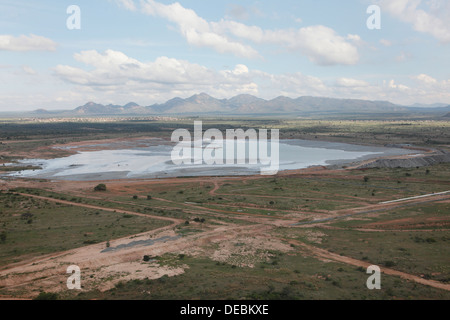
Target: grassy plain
(240, 237)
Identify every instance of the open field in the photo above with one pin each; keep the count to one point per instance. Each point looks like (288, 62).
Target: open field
(305, 234)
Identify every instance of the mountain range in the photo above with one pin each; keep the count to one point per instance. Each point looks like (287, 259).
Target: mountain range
(247, 104)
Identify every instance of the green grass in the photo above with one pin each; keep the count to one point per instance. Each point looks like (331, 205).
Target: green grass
(417, 253)
(55, 227)
(293, 277)
(36, 227)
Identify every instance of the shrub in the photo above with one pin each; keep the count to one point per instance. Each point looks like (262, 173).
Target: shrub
(389, 263)
(26, 216)
(47, 296)
(90, 242)
(100, 187)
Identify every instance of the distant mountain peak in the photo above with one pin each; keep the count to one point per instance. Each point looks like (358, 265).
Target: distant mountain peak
(131, 105)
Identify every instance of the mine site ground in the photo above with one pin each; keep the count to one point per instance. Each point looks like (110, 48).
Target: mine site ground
(303, 234)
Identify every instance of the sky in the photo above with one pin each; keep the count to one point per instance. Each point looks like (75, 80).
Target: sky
(150, 51)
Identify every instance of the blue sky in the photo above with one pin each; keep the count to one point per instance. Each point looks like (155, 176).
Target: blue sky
(151, 51)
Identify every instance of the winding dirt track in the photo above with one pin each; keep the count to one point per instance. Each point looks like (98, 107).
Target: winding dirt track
(48, 271)
(173, 220)
(358, 263)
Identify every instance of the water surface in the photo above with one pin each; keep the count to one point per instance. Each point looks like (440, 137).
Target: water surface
(154, 161)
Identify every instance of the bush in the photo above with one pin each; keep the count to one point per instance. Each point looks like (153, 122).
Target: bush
(90, 242)
(100, 187)
(149, 197)
(389, 263)
(26, 216)
(135, 197)
(47, 296)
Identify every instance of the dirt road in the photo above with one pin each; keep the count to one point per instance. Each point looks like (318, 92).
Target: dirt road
(358, 263)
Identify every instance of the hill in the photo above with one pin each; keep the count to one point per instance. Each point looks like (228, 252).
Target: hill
(244, 104)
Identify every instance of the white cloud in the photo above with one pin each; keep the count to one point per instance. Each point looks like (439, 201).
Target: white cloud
(392, 85)
(114, 77)
(26, 43)
(127, 4)
(196, 30)
(113, 70)
(322, 45)
(28, 70)
(426, 79)
(433, 21)
(348, 82)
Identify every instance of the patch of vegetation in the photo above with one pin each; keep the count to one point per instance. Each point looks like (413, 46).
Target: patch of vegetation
(100, 187)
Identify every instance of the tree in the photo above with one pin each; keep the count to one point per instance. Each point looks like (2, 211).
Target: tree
(366, 179)
(100, 187)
